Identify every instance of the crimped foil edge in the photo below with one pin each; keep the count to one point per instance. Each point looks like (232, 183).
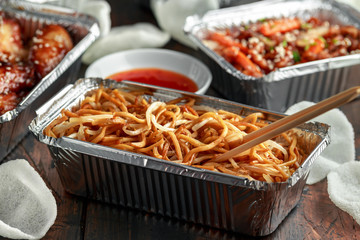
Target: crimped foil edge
(74, 94)
(254, 11)
(21, 7)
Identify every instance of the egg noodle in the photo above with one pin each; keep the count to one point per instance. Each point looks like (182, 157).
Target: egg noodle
(178, 131)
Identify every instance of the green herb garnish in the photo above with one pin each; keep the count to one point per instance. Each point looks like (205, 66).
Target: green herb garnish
(284, 43)
(296, 56)
(306, 26)
(262, 20)
(324, 41)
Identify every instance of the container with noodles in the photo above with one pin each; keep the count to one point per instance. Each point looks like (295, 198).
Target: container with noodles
(273, 54)
(152, 149)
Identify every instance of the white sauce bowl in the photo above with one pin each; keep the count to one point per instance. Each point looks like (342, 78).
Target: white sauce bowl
(152, 58)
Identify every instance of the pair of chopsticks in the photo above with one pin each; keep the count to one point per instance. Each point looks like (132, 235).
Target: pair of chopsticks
(291, 121)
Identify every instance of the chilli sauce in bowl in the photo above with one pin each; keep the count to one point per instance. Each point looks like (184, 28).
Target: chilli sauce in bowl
(160, 67)
(158, 77)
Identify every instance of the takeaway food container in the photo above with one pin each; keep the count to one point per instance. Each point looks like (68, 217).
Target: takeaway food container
(312, 81)
(162, 187)
(83, 30)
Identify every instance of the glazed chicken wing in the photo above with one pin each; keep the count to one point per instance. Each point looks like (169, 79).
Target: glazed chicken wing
(16, 77)
(49, 47)
(8, 102)
(20, 67)
(11, 46)
(15, 81)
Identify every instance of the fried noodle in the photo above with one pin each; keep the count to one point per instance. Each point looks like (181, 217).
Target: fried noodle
(180, 132)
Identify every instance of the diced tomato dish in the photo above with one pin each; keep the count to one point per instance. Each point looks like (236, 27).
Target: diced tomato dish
(259, 48)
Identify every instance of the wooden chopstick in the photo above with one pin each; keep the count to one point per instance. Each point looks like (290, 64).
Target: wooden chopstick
(291, 121)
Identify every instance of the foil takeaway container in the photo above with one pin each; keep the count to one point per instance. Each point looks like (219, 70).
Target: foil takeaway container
(278, 90)
(83, 31)
(162, 187)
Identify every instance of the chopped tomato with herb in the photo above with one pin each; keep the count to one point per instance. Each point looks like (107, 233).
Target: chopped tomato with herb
(226, 41)
(272, 27)
(317, 46)
(266, 45)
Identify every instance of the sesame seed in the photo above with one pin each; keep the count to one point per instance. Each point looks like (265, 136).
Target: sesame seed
(254, 40)
(280, 50)
(347, 42)
(290, 37)
(244, 42)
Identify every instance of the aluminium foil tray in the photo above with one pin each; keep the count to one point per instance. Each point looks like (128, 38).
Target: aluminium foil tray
(162, 187)
(83, 30)
(277, 91)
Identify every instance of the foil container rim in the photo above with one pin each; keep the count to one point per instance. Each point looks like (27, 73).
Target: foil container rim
(51, 109)
(86, 20)
(195, 23)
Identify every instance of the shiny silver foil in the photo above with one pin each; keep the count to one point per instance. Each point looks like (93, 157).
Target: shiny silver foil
(83, 29)
(312, 81)
(170, 189)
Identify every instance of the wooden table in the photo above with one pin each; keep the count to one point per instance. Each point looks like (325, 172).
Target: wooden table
(315, 217)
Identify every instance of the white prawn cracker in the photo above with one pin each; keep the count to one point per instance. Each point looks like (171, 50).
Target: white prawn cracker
(140, 35)
(27, 207)
(344, 188)
(341, 148)
(101, 11)
(171, 15)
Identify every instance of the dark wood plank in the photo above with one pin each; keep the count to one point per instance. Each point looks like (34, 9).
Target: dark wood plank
(316, 217)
